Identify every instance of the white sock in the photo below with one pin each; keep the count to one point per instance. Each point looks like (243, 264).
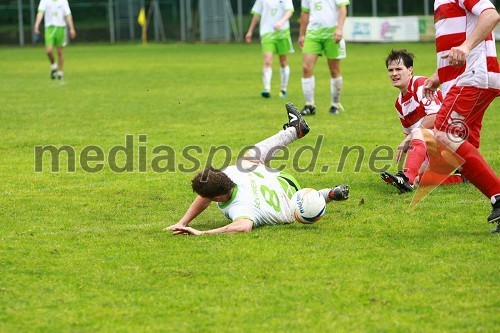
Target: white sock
(335, 89)
(60, 73)
(267, 74)
(285, 76)
(53, 66)
(308, 85)
(324, 192)
(266, 149)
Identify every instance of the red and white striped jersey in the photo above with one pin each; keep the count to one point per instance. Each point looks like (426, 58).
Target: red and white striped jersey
(412, 107)
(454, 21)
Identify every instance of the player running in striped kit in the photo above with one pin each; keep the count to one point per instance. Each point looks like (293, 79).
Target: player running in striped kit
(251, 194)
(469, 72)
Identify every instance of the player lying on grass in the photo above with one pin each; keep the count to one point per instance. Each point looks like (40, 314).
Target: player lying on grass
(250, 193)
(416, 113)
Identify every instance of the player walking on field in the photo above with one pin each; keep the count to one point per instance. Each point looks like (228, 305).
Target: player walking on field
(275, 37)
(56, 14)
(321, 31)
(416, 113)
(469, 72)
(250, 193)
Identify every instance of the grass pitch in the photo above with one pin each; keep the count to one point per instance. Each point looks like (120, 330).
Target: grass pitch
(84, 251)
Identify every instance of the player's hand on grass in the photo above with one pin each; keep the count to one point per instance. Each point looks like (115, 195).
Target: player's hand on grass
(173, 226)
(186, 231)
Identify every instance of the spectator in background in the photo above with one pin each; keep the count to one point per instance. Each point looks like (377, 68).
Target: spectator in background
(275, 37)
(56, 14)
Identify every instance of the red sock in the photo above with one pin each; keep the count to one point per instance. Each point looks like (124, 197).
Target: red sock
(453, 179)
(477, 171)
(416, 156)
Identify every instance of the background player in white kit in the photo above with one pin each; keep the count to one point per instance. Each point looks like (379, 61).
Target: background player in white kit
(56, 14)
(250, 193)
(321, 31)
(275, 37)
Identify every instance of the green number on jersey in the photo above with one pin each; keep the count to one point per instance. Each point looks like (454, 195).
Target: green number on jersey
(271, 197)
(317, 6)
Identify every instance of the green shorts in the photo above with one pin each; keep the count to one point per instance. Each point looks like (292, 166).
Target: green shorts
(279, 46)
(55, 36)
(327, 46)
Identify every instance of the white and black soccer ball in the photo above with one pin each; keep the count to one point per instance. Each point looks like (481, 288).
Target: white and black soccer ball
(308, 205)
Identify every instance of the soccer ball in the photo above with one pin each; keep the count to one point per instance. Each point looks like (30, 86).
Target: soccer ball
(308, 205)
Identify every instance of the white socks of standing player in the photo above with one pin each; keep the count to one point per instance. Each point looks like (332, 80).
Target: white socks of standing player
(267, 74)
(285, 76)
(335, 89)
(308, 85)
(266, 149)
(53, 66)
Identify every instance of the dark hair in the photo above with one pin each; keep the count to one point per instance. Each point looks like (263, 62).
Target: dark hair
(211, 182)
(404, 55)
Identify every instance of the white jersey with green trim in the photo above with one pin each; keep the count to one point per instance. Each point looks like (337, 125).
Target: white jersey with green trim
(55, 12)
(323, 16)
(270, 12)
(257, 196)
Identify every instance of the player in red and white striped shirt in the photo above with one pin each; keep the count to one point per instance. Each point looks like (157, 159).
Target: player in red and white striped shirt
(416, 113)
(469, 71)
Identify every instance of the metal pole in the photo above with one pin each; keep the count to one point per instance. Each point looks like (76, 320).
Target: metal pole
(156, 30)
(240, 17)
(189, 21)
(32, 17)
(374, 7)
(20, 18)
(349, 9)
(183, 21)
(426, 7)
(131, 21)
(111, 22)
(400, 7)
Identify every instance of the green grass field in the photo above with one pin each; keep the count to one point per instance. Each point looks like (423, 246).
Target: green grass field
(84, 251)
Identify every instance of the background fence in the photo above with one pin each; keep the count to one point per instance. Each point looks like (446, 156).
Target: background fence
(173, 20)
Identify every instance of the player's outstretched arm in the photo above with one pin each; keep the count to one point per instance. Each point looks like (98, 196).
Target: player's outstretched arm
(72, 32)
(241, 225)
(487, 21)
(338, 34)
(304, 21)
(253, 24)
(196, 208)
(38, 20)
